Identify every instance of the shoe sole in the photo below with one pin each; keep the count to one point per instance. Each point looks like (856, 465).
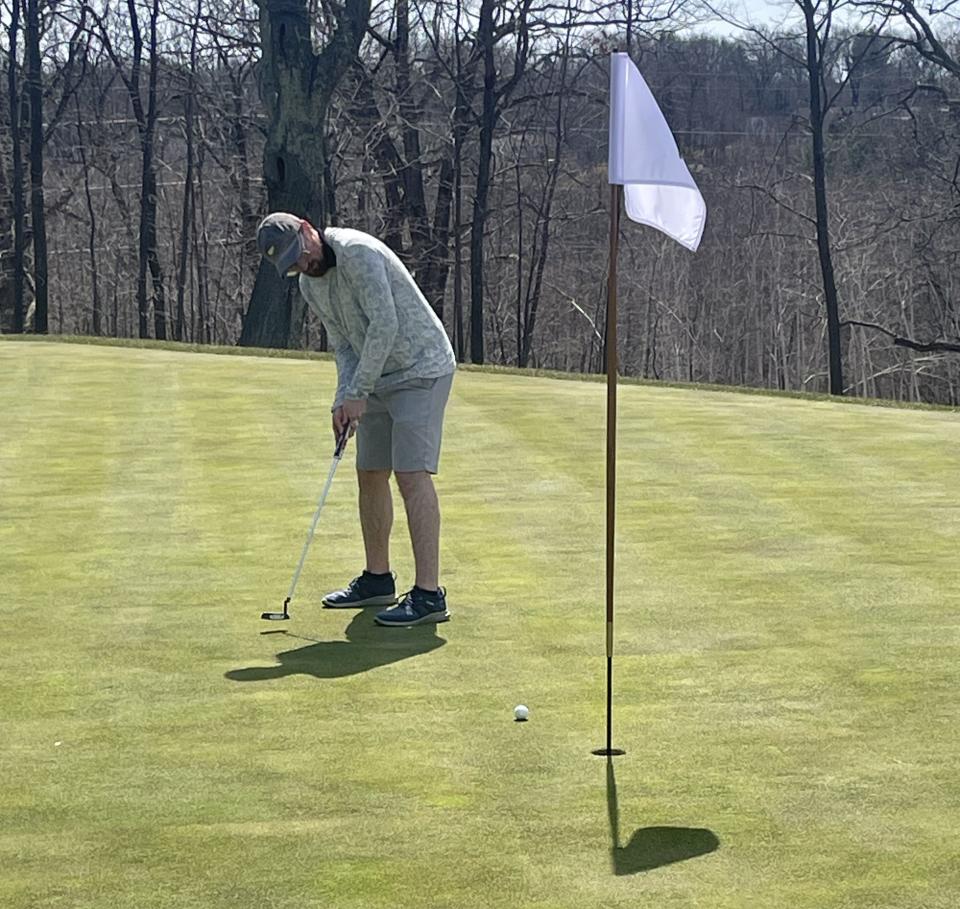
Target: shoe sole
(432, 618)
(370, 601)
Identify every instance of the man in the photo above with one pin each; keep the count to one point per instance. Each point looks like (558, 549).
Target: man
(395, 368)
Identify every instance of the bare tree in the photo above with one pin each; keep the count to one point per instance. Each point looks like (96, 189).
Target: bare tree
(296, 84)
(528, 304)
(492, 29)
(402, 152)
(97, 303)
(146, 120)
(37, 201)
(40, 131)
(186, 221)
(923, 31)
(18, 205)
(818, 20)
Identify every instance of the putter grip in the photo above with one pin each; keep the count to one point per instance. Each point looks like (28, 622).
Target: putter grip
(342, 442)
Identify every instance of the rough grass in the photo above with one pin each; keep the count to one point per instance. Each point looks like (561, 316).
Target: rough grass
(786, 669)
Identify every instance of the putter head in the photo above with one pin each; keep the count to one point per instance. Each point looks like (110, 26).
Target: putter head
(277, 616)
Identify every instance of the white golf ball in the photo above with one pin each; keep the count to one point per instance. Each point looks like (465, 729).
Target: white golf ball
(521, 712)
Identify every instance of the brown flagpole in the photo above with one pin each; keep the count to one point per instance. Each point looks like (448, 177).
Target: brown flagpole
(616, 198)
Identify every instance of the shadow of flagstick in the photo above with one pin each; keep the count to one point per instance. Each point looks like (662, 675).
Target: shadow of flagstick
(652, 847)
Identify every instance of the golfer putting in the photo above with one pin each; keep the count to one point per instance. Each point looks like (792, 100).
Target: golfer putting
(395, 368)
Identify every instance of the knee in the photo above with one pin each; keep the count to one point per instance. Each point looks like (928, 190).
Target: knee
(409, 482)
(373, 479)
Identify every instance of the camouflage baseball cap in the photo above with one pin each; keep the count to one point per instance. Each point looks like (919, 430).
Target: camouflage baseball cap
(280, 241)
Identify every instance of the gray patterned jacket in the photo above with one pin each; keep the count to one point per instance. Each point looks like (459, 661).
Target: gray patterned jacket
(380, 326)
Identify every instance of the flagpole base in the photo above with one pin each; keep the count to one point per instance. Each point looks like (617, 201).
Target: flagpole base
(608, 752)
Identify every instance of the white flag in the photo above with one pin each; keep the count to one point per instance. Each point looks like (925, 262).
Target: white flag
(658, 188)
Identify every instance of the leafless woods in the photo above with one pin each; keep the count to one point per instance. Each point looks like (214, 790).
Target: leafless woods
(142, 142)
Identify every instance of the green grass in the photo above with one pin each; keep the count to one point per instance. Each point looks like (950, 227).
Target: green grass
(786, 672)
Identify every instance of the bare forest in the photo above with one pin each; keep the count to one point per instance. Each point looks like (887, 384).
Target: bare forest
(142, 142)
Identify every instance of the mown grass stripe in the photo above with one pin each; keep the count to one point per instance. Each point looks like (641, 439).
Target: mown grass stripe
(784, 679)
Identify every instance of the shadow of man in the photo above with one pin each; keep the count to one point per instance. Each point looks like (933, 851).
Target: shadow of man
(366, 647)
(652, 847)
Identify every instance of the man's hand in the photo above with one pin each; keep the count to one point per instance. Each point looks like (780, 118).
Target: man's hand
(353, 412)
(339, 423)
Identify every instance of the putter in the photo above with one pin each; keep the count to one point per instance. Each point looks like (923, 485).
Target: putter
(337, 455)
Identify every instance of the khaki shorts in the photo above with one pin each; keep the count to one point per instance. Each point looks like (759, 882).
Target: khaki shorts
(402, 426)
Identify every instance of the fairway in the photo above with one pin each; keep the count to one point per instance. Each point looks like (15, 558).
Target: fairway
(787, 643)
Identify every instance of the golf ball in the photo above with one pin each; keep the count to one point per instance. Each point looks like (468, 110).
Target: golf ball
(521, 712)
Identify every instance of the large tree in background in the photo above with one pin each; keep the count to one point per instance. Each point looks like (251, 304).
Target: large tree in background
(830, 60)
(148, 257)
(297, 80)
(818, 22)
(37, 204)
(930, 36)
(927, 28)
(827, 80)
(18, 201)
(66, 74)
(496, 23)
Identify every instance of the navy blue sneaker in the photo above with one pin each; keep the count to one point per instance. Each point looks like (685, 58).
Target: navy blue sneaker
(366, 590)
(418, 607)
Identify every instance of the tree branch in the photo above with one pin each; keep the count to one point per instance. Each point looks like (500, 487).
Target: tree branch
(924, 347)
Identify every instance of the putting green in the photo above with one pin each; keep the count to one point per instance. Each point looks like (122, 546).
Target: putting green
(786, 673)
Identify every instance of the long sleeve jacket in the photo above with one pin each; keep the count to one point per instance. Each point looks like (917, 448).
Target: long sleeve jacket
(380, 326)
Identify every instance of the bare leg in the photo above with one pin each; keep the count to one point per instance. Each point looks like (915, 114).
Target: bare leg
(423, 519)
(376, 518)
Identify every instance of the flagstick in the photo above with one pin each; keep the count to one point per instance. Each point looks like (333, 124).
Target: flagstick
(616, 196)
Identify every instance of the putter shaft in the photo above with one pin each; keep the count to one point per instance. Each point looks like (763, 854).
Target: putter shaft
(337, 456)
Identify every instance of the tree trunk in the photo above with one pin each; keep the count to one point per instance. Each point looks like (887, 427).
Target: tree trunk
(18, 201)
(541, 244)
(521, 326)
(296, 86)
(149, 199)
(246, 216)
(203, 329)
(457, 251)
(412, 172)
(488, 119)
(434, 282)
(186, 219)
(147, 256)
(37, 204)
(97, 309)
(450, 201)
(389, 162)
(820, 195)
